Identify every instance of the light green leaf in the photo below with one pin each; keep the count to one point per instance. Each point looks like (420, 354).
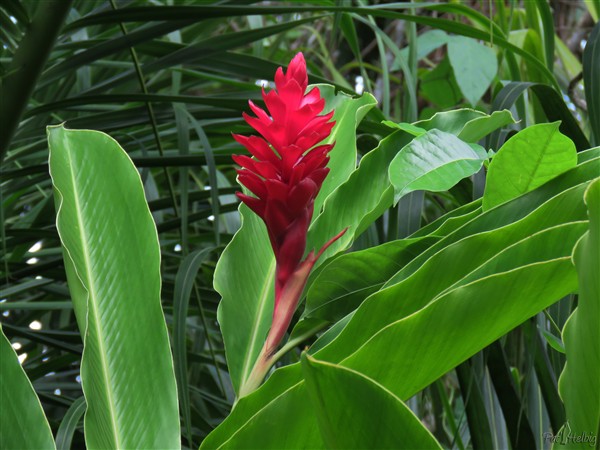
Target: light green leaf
(23, 422)
(112, 260)
(474, 66)
(337, 290)
(579, 384)
(354, 411)
(529, 159)
(342, 158)
(409, 128)
(245, 272)
(480, 127)
(450, 121)
(434, 161)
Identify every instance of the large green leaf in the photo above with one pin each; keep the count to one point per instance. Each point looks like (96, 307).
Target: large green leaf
(245, 273)
(468, 255)
(348, 113)
(24, 425)
(434, 161)
(337, 290)
(474, 66)
(527, 160)
(112, 260)
(354, 411)
(579, 383)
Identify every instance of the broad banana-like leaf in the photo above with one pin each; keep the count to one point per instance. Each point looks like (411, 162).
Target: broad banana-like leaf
(112, 260)
(579, 384)
(245, 272)
(355, 411)
(23, 424)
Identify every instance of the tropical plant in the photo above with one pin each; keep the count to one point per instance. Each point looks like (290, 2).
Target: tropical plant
(465, 177)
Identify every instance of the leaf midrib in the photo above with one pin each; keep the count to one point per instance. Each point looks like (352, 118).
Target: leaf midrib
(257, 320)
(91, 289)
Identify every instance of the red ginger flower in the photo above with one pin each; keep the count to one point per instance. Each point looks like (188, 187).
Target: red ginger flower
(286, 174)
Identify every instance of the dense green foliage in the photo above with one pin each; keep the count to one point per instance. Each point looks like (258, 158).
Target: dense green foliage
(465, 174)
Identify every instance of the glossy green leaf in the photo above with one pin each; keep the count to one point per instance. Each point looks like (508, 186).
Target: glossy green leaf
(337, 290)
(579, 384)
(480, 127)
(23, 422)
(245, 272)
(342, 158)
(527, 160)
(474, 66)
(409, 128)
(434, 161)
(450, 121)
(464, 324)
(112, 260)
(354, 411)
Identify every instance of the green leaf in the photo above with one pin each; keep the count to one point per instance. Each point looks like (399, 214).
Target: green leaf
(434, 161)
(245, 272)
(184, 282)
(439, 85)
(554, 107)
(529, 159)
(474, 66)
(24, 424)
(480, 127)
(426, 43)
(450, 121)
(69, 423)
(409, 128)
(112, 260)
(337, 290)
(342, 158)
(366, 204)
(463, 323)
(579, 384)
(354, 411)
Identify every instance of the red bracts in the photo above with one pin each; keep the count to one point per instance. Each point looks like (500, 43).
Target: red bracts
(285, 176)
